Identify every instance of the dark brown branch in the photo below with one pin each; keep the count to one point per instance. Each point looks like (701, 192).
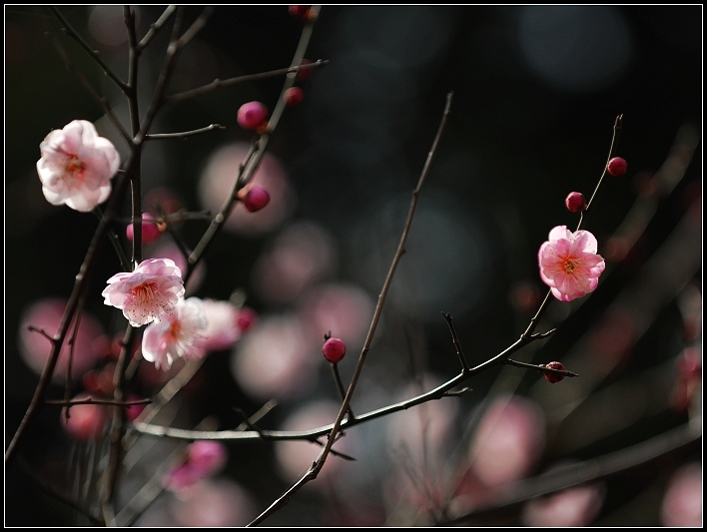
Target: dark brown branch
(540, 367)
(95, 54)
(455, 341)
(71, 306)
(319, 463)
(223, 83)
(102, 102)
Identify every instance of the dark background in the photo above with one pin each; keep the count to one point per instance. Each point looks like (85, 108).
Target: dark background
(536, 92)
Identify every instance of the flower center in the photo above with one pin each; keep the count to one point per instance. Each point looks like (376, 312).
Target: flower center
(145, 293)
(570, 265)
(75, 167)
(175, 329)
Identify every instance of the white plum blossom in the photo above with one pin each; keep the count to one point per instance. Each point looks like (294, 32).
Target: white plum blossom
(76, 166)
(178, 334)
(147, 293)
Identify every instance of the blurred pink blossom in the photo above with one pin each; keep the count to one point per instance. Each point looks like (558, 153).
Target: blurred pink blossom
(295, 457)
(682, 503)
(34, 347)
(572, 507)
(204, 458)
(213, 503)
(508, 442)
(217, 180)
(276, 359)
(222, 330)
(147, 293)
(569, 263)
(300, 255)
(76, 166)
(176, 335)
(85, 421)
(343, 309)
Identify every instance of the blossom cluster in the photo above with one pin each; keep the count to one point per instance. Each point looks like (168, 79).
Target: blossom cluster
(153, 295)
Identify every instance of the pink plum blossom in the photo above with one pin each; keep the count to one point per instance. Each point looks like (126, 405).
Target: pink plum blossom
(148, 292)
(569, 263)
(573, 507)
(76, 166)
(204, 459)
(178, 334)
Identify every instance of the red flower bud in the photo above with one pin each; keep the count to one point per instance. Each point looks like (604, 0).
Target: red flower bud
(617, 166)
(554, 377)
(334, 349)
(150, 230)
(299, 11)
(256, 198)
(293, 96)
(251, 115)
(575, 202)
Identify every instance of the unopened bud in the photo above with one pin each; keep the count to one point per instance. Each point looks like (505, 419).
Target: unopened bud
(334, 349)
(617, 166)
(554, 377)
(575, 202)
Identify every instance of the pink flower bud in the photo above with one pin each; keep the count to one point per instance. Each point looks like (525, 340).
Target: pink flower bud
(251, 115)
(575, 202)
(293, 96)
(150, 230)
(299, 11)
(334, 350)
(617, 166)
(246, 319)
(256, 198)
(554, 377)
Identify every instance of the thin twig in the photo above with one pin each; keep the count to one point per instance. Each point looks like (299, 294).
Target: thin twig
(614, 142)
(319, 463)
(223, 83)
(81, 282)
(183, 134)
(95, 54)
(618, 123)
(102, 102)
(196, 27)
(252, 159)
(542, 368)
(340, 385)
(155, 28)
(455, 341)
